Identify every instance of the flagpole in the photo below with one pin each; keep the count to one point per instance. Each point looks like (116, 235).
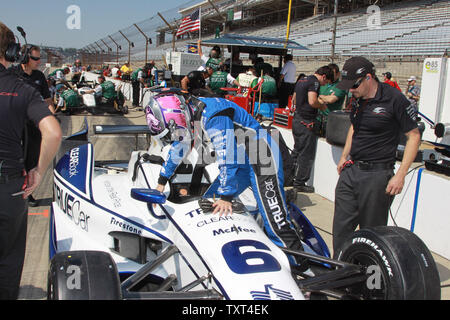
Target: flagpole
(200, 30)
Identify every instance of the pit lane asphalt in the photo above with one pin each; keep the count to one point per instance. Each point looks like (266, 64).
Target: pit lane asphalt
(34, 277)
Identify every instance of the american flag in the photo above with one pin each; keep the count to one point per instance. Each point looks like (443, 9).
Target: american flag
(189, 23)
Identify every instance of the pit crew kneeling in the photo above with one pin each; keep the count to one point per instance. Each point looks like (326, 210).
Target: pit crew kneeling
(105, 92)
(246, 156)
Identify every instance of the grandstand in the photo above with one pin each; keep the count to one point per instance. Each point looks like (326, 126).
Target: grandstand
(408, 31)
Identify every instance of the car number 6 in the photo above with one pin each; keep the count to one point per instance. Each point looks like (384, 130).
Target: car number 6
(249, 261)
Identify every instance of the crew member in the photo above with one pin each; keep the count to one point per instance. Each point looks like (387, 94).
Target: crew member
(60, 77)
(138, 81)
(412, 92)
(106, 90)
(68, 98)
(331, 96)
(213, 61)
(29, 72)
(260, 65)
(220, 79)
(126, 71)
(77, 70)
(20, 102)
(269, 85)
(196, 80)
(390, 81)
(286, 82)
(304, 125)
(367, 183)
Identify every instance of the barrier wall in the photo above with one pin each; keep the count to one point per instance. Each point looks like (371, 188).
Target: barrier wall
(423, 206)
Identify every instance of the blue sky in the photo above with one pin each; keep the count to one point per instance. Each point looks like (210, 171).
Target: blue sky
(44, 21)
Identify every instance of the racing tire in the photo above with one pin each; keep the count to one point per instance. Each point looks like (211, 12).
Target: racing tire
(407, 270)
(338, 124)
(83, 275)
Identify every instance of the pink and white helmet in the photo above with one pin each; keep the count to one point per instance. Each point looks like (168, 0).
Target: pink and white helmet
(168, 111)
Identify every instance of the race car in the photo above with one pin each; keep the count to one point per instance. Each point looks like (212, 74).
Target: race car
(113, 236)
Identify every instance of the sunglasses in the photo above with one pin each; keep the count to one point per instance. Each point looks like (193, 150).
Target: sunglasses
(357, 83)
(35, 58)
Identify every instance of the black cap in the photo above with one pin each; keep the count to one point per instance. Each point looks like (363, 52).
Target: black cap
(354, 69)
(387, 75)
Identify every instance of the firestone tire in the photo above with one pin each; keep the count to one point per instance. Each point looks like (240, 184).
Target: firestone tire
(406, 268)
(83, 275)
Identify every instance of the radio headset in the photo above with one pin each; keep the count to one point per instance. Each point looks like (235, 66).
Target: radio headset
(12, 53)
(25, 54)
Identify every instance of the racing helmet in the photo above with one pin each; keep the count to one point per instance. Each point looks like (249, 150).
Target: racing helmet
(169, 115)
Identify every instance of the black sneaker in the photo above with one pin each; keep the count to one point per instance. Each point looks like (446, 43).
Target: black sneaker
(305, 188)
(32, 202)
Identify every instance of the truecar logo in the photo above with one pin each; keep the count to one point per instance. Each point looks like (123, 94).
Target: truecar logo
(74, 20)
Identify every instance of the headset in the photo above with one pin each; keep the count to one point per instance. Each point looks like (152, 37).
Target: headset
(25, 54)
(12, 53)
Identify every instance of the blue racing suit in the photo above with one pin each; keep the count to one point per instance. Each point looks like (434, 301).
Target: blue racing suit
(247, 157)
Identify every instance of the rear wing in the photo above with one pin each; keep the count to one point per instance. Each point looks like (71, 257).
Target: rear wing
(121, 129)
(136, 130)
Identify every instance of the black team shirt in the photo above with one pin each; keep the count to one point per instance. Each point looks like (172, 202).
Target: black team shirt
(19, 102)
(377, 124)
(302, 107)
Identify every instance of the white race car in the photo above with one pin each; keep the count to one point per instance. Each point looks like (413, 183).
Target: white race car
(114, 237)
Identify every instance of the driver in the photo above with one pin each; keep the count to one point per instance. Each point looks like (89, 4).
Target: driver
(225, 123)
(169, 119)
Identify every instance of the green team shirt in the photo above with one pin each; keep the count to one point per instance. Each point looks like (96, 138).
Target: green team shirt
(269, 86)
(54, 72)
(329, 89)
(213, 63)
(108, 90)
(134, 75)
(71, 98)
(218, 80)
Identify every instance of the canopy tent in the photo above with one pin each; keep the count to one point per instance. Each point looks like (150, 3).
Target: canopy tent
(257, 45)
